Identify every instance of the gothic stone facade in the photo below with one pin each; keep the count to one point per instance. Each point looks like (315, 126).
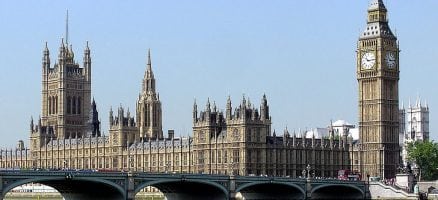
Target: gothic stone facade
(68, 134)
(238, 142)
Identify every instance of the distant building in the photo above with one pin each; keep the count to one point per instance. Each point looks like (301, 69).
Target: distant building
(417, 126)
(418, 122)
(340, 127)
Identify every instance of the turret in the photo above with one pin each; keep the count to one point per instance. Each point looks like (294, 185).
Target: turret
(243, 109)
(128, 115)
(264, 109)
(62, 53)
(111, 117)
(214, 106)
(207, 106)
(228, 111)
(195, 112)
(149, 80)
(120, 116)
(87, 62)
(39, 125)
(294, 139)
(303, 138)
(31, 124)
(332, 135)
(286, 136)
(344, 136)
(46, 59)
(253, 114)
(207, 111)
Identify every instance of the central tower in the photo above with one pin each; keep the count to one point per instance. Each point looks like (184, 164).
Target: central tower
(149, 107)
(378, 76)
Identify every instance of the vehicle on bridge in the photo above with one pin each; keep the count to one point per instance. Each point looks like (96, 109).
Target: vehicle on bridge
(348, 175)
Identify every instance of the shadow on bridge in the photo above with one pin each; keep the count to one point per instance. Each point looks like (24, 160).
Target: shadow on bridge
(188, 189)
(337, 192)
(85, 189)
(270, 191)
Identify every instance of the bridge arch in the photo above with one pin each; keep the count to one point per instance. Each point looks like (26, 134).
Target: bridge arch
(76, 188)
(187, 189)
(270, 190)
(334, 191)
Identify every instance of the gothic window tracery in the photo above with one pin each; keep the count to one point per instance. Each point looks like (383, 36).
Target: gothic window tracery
(56, 104)
(68, 105)
(236, 135)
(79, 105)
(74, 105)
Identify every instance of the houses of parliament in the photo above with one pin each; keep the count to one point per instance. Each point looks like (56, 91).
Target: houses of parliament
(237, 140)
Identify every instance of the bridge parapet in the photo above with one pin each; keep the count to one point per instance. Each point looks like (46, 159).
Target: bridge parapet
(128, 184)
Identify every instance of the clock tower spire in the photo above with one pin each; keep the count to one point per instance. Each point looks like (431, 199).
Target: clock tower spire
(378, 76)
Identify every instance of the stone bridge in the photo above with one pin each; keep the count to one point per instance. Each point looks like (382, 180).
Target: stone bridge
(125, 185)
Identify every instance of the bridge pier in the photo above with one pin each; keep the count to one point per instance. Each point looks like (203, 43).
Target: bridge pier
(130, 188)
(123, 186)
(308, 188)
(1, 188)
(232, 188)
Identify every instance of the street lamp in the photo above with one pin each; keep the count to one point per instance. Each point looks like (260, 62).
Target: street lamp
(131, 162)
(308, 170)
(417, 172)
(167, 166)
(232, 167)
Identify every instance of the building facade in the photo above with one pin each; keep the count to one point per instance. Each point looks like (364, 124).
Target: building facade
(239, 141)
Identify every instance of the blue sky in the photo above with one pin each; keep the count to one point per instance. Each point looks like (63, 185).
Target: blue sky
(300, 53)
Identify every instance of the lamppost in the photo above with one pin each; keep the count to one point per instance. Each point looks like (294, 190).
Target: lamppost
(308, 171)
(65, 164)
(131, 162)
(232, 167)
(167, 167)
(417, 172)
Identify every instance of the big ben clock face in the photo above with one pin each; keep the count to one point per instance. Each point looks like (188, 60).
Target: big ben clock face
(390, 60)
(368, 60)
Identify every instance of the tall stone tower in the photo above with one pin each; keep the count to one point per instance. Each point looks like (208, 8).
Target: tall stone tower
(149, 107)
(418, 122)
(378, 76)
(66, 94)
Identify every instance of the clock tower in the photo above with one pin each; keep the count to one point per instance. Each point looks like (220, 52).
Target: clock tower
(378, 76)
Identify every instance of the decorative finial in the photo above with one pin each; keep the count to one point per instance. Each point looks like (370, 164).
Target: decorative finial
(149, 56)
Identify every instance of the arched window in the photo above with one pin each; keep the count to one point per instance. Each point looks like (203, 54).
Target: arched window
(74, 105)
(53, 105)
(79, 105)
(56, 105)
(148, 114)
(50, 105)
(68, 105)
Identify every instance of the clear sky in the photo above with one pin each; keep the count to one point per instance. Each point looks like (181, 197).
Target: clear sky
(300, 53)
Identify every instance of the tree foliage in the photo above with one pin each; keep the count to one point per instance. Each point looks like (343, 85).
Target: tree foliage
(425, 155)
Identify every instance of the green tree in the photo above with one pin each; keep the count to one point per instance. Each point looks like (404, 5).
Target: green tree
(425, 155)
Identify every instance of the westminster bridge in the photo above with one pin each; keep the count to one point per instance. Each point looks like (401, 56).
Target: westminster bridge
(125, 185)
